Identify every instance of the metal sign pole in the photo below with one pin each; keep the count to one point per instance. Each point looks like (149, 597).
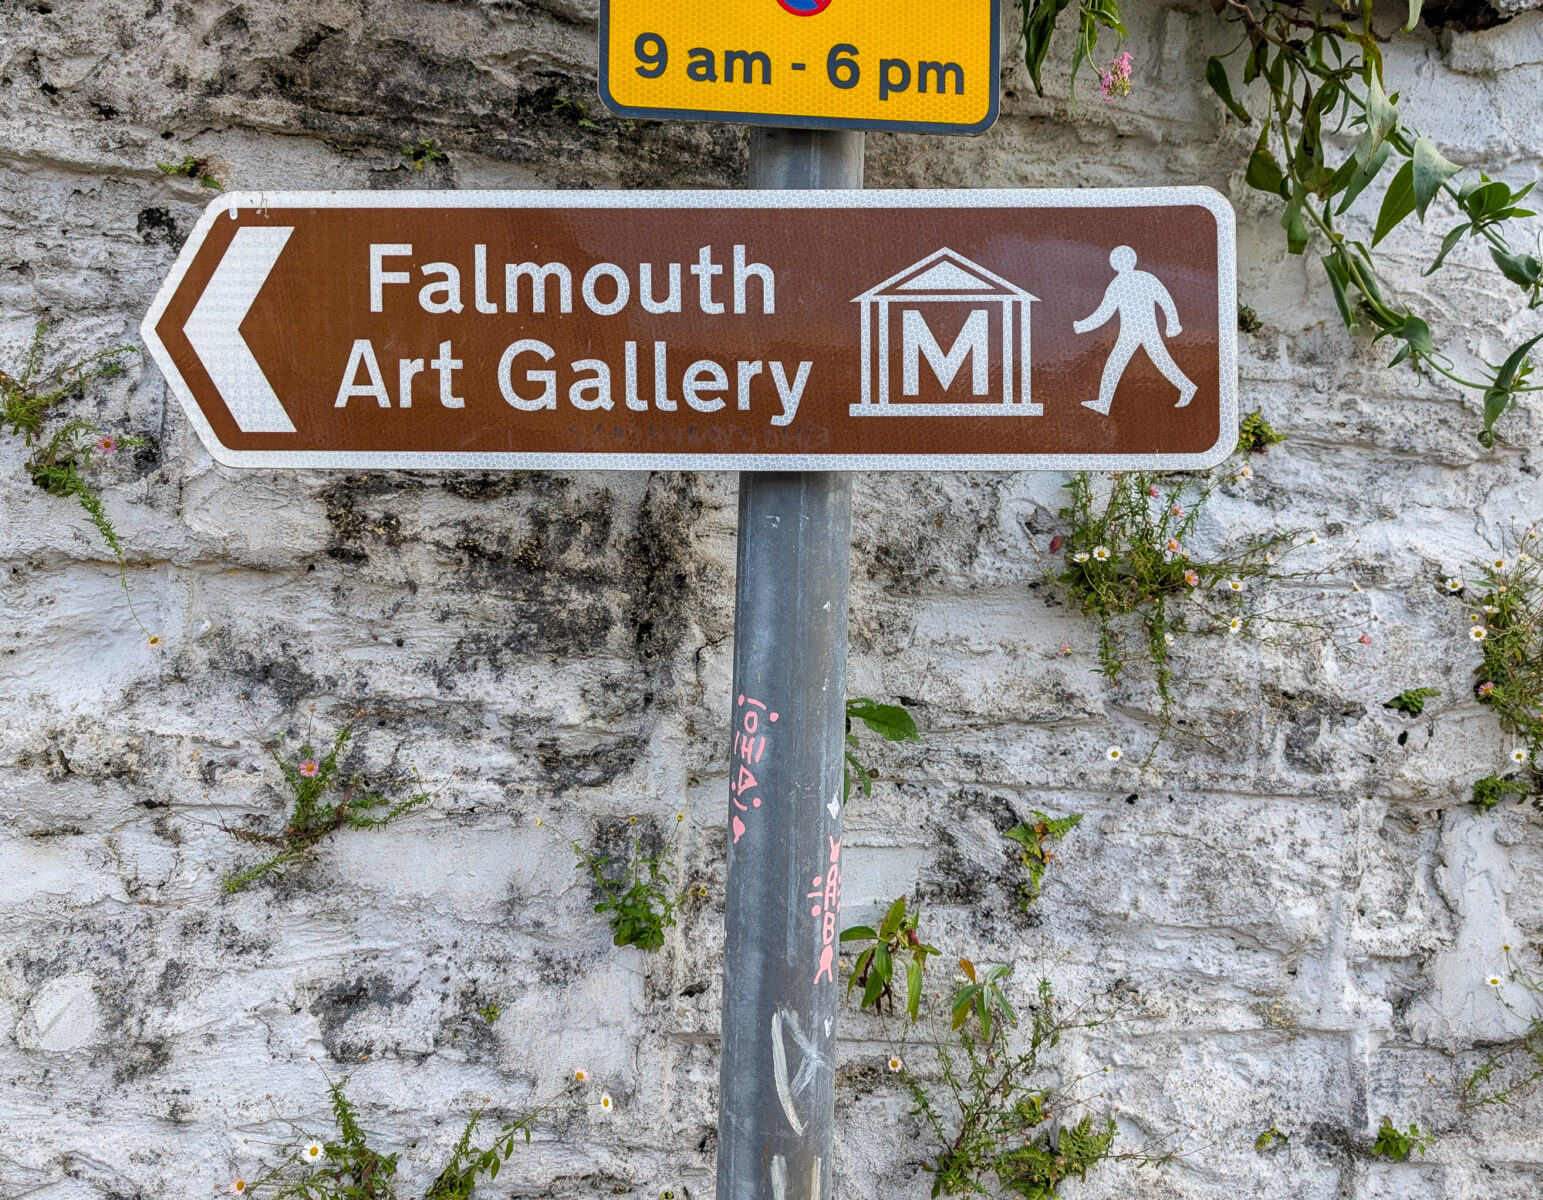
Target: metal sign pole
(776, 1107)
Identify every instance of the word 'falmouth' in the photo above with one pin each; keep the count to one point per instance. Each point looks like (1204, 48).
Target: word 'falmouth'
(440, 290)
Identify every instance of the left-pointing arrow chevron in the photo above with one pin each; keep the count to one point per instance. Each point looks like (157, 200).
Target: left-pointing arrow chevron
(214, 330)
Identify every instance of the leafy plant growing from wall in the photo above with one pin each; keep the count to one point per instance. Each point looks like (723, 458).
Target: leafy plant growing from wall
(322, 801)
(1127, 560)
(637, 900)
(62, 456)
(1319, 71)
(346, 1166)
(999, 1117)
(1034, 837)
(1398, 1144)
(890, 721)
(1514, 1068)
(1508, 628)
(896, 940)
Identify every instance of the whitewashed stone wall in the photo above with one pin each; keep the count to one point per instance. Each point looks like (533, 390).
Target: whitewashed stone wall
(1305, 906)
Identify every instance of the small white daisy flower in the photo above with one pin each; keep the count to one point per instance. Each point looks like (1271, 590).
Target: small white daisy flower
(236, 1187)
(1167, 639)
(1114, 754)
(1474, 618)
(1235, 585)
(895, 1064)
(1269, 558)
(1494, 981)
(1246, 471)
(1518, 756)
(1498, 564)
(1101, 553)
(1081, 558)
(1313, 539)
(1354, 586)
(605, 1101)
(1235, 624)
(1454, 584)
(580, 1075)
(312, 1152)
(1478, 633)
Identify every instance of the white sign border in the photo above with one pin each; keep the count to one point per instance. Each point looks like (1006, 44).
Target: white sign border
(1110, 198)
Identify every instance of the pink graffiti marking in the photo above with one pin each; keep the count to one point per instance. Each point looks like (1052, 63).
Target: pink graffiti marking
(827, 908)
(748, 749)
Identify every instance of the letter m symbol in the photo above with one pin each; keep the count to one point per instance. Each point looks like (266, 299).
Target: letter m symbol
(917, 342)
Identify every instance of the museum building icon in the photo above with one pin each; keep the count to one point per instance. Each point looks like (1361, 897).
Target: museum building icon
(908, 309)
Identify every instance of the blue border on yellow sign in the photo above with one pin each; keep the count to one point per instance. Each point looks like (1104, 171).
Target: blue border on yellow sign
(796, 122)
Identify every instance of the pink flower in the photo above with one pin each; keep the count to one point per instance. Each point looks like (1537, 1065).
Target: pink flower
(1066, 648)
(1151, 487)
(1177, 510)
(1115, 83)
(236, 1187)
(1485, 689)
(1173, 546)
(1366, 639)
(1191, 578)
(107, 444)
(309, 768)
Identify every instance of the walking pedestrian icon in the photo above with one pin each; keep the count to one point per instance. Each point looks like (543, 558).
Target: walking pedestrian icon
(1135, 297)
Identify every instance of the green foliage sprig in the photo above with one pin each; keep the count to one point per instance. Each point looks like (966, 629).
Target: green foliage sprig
(58, 463)
(346, 1167)
(1323, 74)
(890, 721)
(1320, 72)
(1509, 629)
(1411, 701)
(322, 801)
(896, 938)
(192, 168)
(421, 154)
(1396, 1144)
(1034, 838)
(639, 901)
(1515, 1067)
(1256, 435)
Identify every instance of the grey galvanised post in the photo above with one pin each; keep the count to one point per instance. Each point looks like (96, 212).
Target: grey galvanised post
(776, 1106)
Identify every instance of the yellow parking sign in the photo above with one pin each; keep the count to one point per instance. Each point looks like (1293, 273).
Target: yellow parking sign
(924, 66)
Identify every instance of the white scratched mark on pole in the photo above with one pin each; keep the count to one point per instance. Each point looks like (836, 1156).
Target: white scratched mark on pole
(779, 1178)
(800, 1082)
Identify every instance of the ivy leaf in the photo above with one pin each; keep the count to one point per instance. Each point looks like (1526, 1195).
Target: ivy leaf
(1265, 175)
(1339, 280)
(1397, 204)
(1295, 224)
(1431, 170)
(1521, 269)
(1500, 398)
(1447, 243)
(1363, 175)
(1381, 120)
(1216, 76)
(890, 721)
(1039, 20)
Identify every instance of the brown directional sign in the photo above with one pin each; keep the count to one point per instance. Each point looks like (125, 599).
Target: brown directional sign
(1001, 330)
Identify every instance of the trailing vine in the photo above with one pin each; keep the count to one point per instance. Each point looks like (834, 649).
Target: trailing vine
(61, 457)
(1320, 71)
